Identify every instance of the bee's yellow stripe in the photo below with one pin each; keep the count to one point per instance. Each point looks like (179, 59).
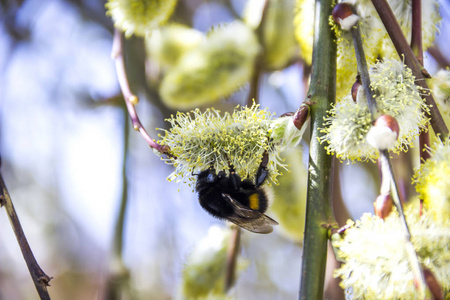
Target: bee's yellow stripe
(254, 201)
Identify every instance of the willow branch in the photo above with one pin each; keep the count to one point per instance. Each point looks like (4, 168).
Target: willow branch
(405, 52)
(232, 255)
(416, 30)
(130, 99)
(387, 171)
(386, 166)
(363, 70)
(440, 58)
(40, 279)
(417, 48)
(253, 94)
(119, 230)
(319, 216)
(118, 271)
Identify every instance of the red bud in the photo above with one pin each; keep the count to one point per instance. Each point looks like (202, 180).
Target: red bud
(341, 11)
(355, 88)
(383, 206)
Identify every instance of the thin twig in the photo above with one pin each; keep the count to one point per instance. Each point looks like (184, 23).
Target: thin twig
(40, 279)
(118, 271)
(363, 70)
(440, 58)
(416, 30)
(119, 230)
(253, 94)
(417, 48)
(424, 137)
(388, 179)
(405, 52)
(131, 99)
(232, 255)
(387, 171)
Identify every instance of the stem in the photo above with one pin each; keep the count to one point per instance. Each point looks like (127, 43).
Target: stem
(416, 30)
(118, 242)
(253, 94)
(232, 255)
(440, 58)
(40, 279)
(130, 98)
(405, 52)
(319, 216)
(417, 48)
(119, 273)
(424, 143)
(363, 69)
(388, 173)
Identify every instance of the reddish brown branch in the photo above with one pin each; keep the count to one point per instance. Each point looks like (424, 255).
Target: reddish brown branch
(130, 99)
(40, 279)
(232, 255)
(253, 94)
(440, 58)
(406, 53)
(416, 30)
(417, 48)
(388, 183)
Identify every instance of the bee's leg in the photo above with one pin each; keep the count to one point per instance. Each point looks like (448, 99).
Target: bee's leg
(235, 179)
(262, 173)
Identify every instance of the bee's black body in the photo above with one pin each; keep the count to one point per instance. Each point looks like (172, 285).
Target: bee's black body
(239, 201)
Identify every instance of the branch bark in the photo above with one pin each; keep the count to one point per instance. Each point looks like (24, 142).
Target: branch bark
(417, 48)
(130, 98)
(405, 52)
(253, 94)
(319, 216)
(40, 279)
(234, 249)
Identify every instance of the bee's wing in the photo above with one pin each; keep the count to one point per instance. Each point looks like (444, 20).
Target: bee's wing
(249, 219)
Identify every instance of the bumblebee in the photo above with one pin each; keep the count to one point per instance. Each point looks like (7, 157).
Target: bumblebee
(241, 202)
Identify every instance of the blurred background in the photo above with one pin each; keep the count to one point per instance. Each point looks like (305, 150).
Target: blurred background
(67, 150)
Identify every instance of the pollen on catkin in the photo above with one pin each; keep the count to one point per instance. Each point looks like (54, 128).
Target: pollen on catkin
(215, 69)
(374, 255)
(347, 123)
(200, 140)
(432, 181)
(399, 97)
(345, 129)
(139, 17)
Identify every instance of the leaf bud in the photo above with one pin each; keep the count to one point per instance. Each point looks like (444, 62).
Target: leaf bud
(384, 132)
(383, 206)
(344, 16)
(433, 284)
(355, 88)
(301, 115)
